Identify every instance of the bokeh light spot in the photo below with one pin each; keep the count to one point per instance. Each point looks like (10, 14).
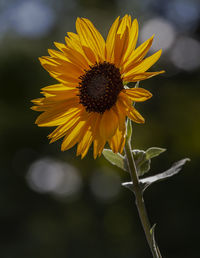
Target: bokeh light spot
(51, 176)
(186, 54)
(163, 30)
(31, 18)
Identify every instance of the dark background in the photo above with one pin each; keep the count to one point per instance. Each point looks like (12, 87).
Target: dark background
(52, 203)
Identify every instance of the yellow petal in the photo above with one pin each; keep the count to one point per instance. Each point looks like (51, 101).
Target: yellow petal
(101, 147)
(61, 101)
(59, 66)
(137, 94)
(73, 42)
(40, 105)
(77, 58)
(86, 141)
(111, 40)
(117, 141)
(90, 54)
(57, 88)
(73, 36)
(144, 65)
(134, 115)
(119, 110)
(131, 112)
(37, 101)
(84, 144)
(121, 43)
(98, 142)
(66, 79)
(60, 46)
(73, 135)
(56, 115)
(124, 101)
(89, 37)
(56, 96)
(70, 56)
(62, 129)
(133, 37)
(108, 124)
(141, 76)
(57, 54)
(62, 96)
(125, 23)
(121, 40)
(137, 55)
(99, 41)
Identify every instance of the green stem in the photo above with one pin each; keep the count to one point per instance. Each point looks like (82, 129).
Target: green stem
(140, 201)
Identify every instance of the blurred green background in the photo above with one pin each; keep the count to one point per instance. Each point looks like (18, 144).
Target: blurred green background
(52, 203)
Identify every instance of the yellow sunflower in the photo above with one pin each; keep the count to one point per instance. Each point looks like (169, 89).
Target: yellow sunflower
(90, 102)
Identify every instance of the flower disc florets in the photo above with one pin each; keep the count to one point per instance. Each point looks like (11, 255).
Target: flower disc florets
(99, 87)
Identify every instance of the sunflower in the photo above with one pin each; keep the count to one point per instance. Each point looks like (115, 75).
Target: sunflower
(91, 101)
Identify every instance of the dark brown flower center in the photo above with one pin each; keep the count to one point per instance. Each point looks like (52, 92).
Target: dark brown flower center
(99, 87)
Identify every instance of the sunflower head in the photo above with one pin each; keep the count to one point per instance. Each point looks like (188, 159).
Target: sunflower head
(90, 103)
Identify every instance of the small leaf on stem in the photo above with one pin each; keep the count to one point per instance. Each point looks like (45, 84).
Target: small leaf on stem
(154, 152)
(115, 159)
(143, 158)
(146, 182)
(176, 167)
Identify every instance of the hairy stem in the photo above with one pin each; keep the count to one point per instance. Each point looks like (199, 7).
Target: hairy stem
(140, 201)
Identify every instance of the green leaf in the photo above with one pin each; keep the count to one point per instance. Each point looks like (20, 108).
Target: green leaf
(115, 159)
(143, 158)
(154, 152)
(176, 167)
(146, 182)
